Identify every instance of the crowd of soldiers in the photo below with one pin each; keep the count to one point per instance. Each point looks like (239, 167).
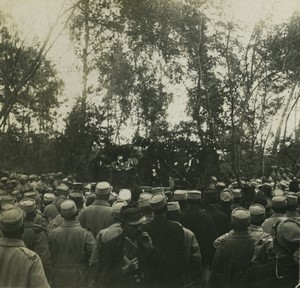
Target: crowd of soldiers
(56, 232)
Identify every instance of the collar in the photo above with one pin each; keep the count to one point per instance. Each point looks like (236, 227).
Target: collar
(9, 242)
(101, 203)
(74, 223)
(241, 234)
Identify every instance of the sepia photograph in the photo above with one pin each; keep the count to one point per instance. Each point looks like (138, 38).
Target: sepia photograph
(149, 143)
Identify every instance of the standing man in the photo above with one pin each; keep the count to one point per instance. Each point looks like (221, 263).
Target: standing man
(168, 240)
(234, 254)
(71, 247)
(98, 215)
(20, 267)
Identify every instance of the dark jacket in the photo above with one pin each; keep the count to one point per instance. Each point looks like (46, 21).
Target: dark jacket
(204, 229)
(221, 220)
(233, 257)
(168, 239)
(96, 217)
(109, 274)
(71, 247)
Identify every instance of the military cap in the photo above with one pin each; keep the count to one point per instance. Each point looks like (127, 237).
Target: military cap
(156, 190)
(117, 206)
(49, 197)
(6, 206)
(65, 180)
(279, 201)
(173, 206)
(145, 195)
(11, 219)
(292, 199)
(32, 177)
(6, 199)
(125, 195)
(220, 184)
(180, 195)
(288, 232)
(13, 176)
(284, 184)
(257, 212)
(28, 205)
(120, 157)
(68, 208)
(62, 189)
(237, 193)
(4, 179)
(194, 195)
(142, 202)
(132, 215)
(158, 201)
(77, 197)
(102, 188)
(90, 199)
(33, 195)
(240, 217)
(226, 195)
(278, 192)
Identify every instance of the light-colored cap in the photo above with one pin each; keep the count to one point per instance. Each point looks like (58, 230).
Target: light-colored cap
(156, 190)
(27, 204)
(102, 188)
(145, 195)
(62, 189)
(116, 207)
(11, 219)
(288, 232)
(33, 195)
(49, 197)
(240, 217)
(158, 201)
(279, 201)
(257, 212)
(278, 192)
(68, 208)
(173, 206)
(124, 195)
(194, 195)
(237, 193)
(180, 195)
(226, 195)
(7, 206)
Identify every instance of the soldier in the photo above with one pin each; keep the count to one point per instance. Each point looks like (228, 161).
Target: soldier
(98, 215)
(292, 205)
(279, 204)
(181, 197)
(192, 251)
(144, 206)
(226, 200)
(128, 259)
(234, 254)
(71, 247)
(20, 267)
(283, 270)
(201, 225)
(168, 240)
(34, 236)
(109, 233)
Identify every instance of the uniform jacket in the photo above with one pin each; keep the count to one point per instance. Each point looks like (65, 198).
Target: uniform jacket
(168, 239)
(204, 229)
(104, 236)
(268, 224)
(96, 217)
(232, 258)
(71, 247)
(20, 267)
(35, 239)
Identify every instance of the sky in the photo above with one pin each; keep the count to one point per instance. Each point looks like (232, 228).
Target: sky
(34, 17)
